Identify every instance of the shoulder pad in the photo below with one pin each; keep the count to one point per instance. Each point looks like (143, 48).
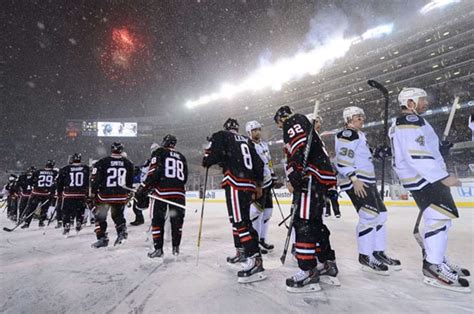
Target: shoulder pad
(348, 134)
(410, 119)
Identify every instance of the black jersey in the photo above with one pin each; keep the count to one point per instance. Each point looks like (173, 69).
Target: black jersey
(25, 184)
(11, 188)
(295, 133)
(44, 181)
(73, 181)
(109, 174)
(167, 173)
(241, 165)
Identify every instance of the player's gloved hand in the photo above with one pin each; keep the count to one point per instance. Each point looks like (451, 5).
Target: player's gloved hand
(141, 193)
(444, 147)
(205, 163)
(298, 182)
(332, 194)
(382, 151)
(274, 179)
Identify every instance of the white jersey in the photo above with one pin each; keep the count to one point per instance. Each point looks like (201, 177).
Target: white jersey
(415, 148)
(353, 158)
(264, 153)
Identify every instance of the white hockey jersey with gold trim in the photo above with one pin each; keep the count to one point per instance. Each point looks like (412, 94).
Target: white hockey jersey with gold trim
(415, 148)
(353, 158)
(264, 152)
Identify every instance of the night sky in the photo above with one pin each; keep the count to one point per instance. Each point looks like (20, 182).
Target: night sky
(114, 59)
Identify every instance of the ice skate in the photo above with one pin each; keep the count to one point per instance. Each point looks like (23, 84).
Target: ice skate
(41, 224)
(441, 276)
(59, 225)
(328, 273)
(338, 215)
(303, 281)
(252, 270)
(265, 245)
(25, 226)
(101, 242)
(390, 262)
(157, 253)
(78, 227)
(175, 250)
(373, 265)
(66, 230)
(238, 258)
(462, 272)
(121, 238)
(137, 222)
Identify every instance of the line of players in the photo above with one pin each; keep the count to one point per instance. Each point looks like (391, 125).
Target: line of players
(248, 179)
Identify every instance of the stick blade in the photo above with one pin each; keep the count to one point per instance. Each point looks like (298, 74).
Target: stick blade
(377, 85)
(283, 258)
(7, 229)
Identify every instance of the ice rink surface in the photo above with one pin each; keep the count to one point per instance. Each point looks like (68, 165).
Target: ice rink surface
(46, 273)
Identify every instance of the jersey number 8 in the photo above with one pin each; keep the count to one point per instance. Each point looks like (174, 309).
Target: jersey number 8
(247, 157)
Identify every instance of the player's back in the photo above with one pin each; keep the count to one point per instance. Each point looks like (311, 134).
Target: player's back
(43, 182)
(109, 175)
(74, 180)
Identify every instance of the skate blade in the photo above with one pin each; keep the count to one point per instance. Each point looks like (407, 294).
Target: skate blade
(438, 284)
(395, 267)
(314, 287)
(378, 272)
(253, 278)
(330, 280)
(120, 242)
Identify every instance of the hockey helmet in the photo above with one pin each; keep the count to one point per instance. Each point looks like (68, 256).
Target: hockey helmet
(252, 125)
(282, 112)
(231, 124)
(76, 157)
(12, 177)
(116, 148)
(411, 93)
(351, 111)
(50, 163)
(169, 141)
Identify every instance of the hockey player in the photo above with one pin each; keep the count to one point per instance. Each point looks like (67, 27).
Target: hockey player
(355, 166)
(73, 188)
(312, 236)
(11, 189)
(261, 209)
(42, 194)
(421, 170)
(243, 176)
(166, 179)
(109, 175)
(332, 195)
(25, 185)
(140, 176)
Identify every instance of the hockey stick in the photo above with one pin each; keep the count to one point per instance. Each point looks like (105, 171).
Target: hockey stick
(416, 228)
(296, 196)
(23, 219)
(279, 207)
(384, 91)
(158, 199)
(202, 216)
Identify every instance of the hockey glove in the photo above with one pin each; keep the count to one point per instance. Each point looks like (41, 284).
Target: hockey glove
(444, 147)
(382, 152)
(332, 194)
(141, 193)
(299, 183)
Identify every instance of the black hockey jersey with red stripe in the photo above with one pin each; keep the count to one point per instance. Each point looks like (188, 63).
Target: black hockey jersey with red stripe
(25, 184)
(295, 135)
(44, 181)
(109, 174)
(241, 165)
(167, 174)
(73, 181)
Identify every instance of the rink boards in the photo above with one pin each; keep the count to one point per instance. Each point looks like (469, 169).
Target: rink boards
(463, 196)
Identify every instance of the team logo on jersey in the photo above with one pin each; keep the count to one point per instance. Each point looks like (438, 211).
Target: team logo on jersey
(347, 133)
(412, 118)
